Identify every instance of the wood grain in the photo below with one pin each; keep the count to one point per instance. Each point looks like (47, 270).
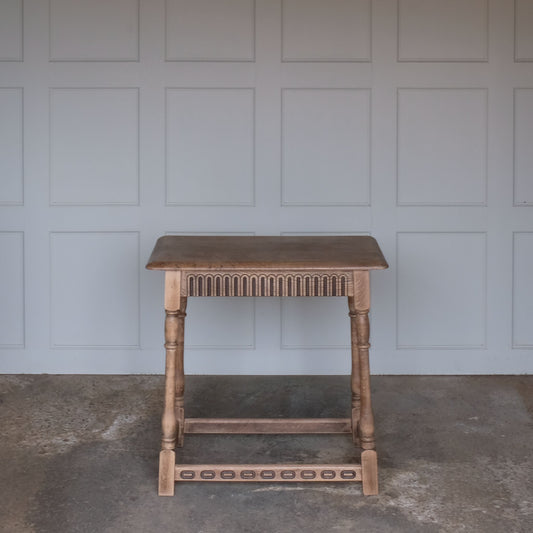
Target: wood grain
(167, 462)
(270, 426)
(355, 378)
(286, 473)
(362, 326)
(180, 373)
(267, 283)
(173, 414)
(369, 463)
(185, 252)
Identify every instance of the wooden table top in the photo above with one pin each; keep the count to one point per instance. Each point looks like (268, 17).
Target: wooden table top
(179, 252)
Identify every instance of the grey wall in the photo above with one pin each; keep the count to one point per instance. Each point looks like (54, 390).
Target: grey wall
(409, 120)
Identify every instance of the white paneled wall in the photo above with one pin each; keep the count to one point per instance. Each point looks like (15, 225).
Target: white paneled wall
(524, 35)
(340, 31)
(441, 304)
(11, 25)
(218, 120)
(94, 303)
(210, 31)
(448, 126)
(523, 291)
(11, 146)
(12, 286)
(326, 142)
(92, 31)
(94, 146)
(123, 120)
(433, 30)
(523, 163)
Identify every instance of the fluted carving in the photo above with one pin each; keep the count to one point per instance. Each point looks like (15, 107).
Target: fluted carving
(264, 284)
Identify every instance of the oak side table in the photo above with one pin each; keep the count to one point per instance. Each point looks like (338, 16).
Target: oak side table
(267, 266)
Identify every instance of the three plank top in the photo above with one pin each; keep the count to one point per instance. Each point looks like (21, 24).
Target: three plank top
(186, 252)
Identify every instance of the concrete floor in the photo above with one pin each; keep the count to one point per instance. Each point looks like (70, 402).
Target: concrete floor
(79, 454)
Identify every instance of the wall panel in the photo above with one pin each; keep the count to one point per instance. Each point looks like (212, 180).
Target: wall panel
(441, 290)
(523, 33)
(523, 153)
(11, 30)
(11, 146)
(522, 290)
(325, 147)
(94, 146)
(338, 30)
(94, 286)
(431, 30)
(442, 146)
(407, 120)
(210, 30)
(210, 146)
(94, 31)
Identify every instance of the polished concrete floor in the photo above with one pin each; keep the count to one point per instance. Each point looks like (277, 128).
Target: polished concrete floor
(79, 454)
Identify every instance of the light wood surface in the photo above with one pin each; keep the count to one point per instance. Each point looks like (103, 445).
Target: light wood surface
(179, 252)
(269, 473)
(267, 266)
(173, 411)
(369, 464)
(268, 426)
(267, 283)
(355, 374)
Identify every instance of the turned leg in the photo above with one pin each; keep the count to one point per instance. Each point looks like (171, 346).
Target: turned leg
(180, 375)
(169, 423)
(366, 421)
(355, 376)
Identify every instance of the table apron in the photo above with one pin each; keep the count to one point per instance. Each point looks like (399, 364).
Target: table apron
(270, 283)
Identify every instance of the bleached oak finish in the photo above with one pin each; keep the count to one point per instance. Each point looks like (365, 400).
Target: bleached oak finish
(267, 266)
(173, 413)
(355, 376)
(369, 464)
(266, 253)
(366, 421)
(268, 426)
(276, 283)
(268, 473)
